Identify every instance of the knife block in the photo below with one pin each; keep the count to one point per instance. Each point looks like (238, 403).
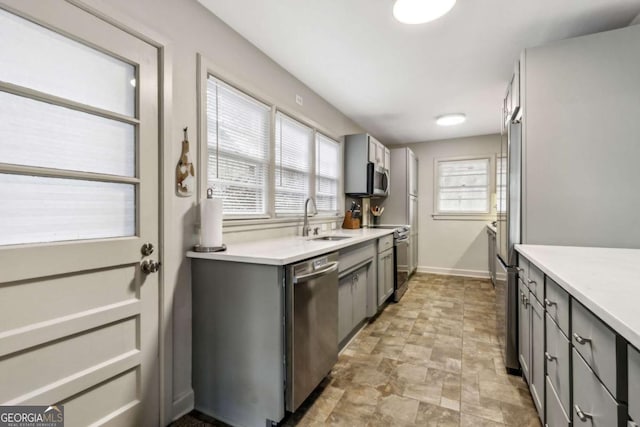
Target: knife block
(350, 222)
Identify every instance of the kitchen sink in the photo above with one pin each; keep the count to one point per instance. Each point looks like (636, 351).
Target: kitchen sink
(332, 238)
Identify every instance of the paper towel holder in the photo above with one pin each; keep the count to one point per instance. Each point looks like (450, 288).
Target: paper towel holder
(199, 248)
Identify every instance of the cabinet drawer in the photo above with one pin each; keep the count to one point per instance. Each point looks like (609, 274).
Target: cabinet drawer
(593, 406)
(634, 384)
(556, 303)
(536, 282)
(556, 416)
(523, 268)
(354, 256)
(596, 343)
(385, 243)
(558, 366)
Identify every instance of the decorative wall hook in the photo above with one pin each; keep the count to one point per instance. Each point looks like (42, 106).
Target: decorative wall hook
(185, 172)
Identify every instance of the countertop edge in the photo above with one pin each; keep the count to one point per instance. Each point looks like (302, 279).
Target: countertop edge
(277, 261)
(607, 316)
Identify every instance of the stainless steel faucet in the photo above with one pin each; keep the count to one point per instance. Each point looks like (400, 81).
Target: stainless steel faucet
(305, 226)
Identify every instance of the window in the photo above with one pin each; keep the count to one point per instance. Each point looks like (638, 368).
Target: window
(238, 132)
(462, 186)
(263, 163)
(327, 173)
(294, 145)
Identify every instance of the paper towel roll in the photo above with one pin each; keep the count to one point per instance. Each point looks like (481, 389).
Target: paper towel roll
(211, 223)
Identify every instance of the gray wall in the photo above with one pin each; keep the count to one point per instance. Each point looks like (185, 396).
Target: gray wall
(451, 246)
(188, 28)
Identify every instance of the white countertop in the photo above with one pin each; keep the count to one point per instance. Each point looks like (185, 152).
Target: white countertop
(606, 281)
(287, 250)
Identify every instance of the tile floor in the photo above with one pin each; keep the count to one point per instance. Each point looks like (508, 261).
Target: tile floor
(430, 360)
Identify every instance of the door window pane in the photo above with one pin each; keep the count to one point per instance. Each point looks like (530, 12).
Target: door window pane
(34, 133)
(35, 57)
(40, 209)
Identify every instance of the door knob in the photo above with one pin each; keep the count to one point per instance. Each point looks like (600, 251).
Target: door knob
(147, 249)
(149, 266)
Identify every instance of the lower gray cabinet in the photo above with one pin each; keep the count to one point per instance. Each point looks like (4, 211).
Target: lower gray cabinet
(593, 405)
(524, 325)
(556, 416)
(536, 366)
(352, 301)
(557, 354)
(634, 384)
(385, 275)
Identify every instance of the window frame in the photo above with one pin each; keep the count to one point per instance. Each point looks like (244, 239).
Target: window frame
(206, 68)
(489, 214)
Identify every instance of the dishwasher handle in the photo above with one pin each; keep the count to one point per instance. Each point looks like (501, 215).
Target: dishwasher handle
(330, 268)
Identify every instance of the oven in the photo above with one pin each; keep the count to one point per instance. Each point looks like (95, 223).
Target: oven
(401, 262)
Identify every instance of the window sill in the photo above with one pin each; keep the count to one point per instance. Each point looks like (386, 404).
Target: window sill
(463, 217)
(231, 225)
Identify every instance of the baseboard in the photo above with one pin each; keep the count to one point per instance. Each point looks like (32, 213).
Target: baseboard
(183, 404)
(477, 274)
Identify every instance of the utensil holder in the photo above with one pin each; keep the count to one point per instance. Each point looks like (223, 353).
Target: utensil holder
(350, 222)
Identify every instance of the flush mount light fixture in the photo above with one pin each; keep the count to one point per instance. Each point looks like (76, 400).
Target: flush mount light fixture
(421, 11)
(451, 119)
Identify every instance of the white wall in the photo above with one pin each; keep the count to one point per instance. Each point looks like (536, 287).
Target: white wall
(187, 28)
(451, 246)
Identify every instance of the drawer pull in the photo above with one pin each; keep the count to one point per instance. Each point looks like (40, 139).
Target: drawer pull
(549, 303)
(583, 417)
(549, 357)
(581, 340)
(532, 282)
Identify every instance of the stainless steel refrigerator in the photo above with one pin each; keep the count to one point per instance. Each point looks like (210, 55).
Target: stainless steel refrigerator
(570, 149)
(509, 191)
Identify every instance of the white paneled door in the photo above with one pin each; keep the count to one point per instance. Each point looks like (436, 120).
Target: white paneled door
(78, 216)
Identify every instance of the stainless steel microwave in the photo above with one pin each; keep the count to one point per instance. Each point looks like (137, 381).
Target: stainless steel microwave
(377, 180)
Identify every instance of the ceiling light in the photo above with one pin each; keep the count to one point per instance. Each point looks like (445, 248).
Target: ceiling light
(421, 11)
(451, 119)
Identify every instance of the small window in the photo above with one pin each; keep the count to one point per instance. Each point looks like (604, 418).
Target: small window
(294, 144)
(462, 186)
(238, 132)
(327, 174)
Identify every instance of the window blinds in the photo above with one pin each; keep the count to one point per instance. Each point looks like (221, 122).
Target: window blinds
(327, 173)
(463, 186)
(294, 142)
(238, 128)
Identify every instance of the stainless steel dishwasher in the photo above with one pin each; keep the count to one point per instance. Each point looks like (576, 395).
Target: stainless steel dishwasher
(311, 325)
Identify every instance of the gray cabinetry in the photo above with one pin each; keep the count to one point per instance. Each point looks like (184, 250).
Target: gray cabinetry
(385, 275)
(557, 355)
(524, 324)
(491, 239)
(634, 384)
(596, 343)
(555, 414)
(352, 302)
(557, 304)
(536, 366)
(593, 405)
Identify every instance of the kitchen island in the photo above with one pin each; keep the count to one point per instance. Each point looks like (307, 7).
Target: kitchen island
(580, 333)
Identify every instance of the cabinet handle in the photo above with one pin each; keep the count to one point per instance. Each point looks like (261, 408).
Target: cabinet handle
(583, 417)
(549, 357)
(532, 282)
(526, 302)
(549, 303)
(581, 340)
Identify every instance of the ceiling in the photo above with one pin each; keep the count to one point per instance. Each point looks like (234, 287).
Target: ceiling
(395, 79)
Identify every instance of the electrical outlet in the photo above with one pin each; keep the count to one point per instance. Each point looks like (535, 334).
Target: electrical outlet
(333, 225)
(323, 227)
(299, 100)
